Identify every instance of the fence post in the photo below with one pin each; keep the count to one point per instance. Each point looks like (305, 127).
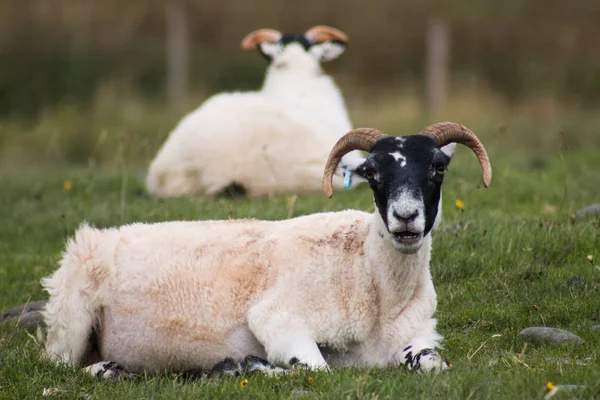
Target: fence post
(177, 52)
(438, 43)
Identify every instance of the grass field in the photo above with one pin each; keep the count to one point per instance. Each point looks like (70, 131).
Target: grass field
(513, 257)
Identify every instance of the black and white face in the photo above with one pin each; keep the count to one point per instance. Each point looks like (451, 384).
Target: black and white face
(321, 52)
(406, 175)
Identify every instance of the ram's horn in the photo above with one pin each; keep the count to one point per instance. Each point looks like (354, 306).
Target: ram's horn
(323, 33)
(255, 38)
(449, 132)
(358, 139)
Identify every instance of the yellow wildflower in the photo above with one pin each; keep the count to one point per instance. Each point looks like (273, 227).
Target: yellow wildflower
(590, 258)
(550, 390)
(68, 185)
(459, 204)
(309, 379)
(243, 383)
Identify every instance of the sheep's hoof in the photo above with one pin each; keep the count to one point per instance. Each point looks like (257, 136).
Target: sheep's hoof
(295, 364)
(253, 364)
(108, 370)
(428, 360)
(227, 367)
(249, 365)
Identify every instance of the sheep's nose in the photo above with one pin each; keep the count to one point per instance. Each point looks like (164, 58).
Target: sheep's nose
(406, 216)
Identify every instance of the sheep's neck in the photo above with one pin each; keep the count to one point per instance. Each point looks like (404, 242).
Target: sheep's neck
(395, 275)
(288, 84)
(309, 95)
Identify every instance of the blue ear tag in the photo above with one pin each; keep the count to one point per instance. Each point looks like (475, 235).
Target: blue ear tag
(347, 179)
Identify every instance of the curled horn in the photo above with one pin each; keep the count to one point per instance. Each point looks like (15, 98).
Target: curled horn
(358, 139)
(449, 132)
(253, 39)
(323, 33)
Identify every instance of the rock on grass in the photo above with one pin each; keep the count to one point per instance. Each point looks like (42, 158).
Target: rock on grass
(589, 211)
(542, 334)
(27, 315)
(303, 394)
(23, 309)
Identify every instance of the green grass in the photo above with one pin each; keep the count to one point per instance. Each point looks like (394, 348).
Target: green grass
(501, 264)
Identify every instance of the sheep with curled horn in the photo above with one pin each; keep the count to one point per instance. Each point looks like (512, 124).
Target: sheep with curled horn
(325, 290)
(274, 140)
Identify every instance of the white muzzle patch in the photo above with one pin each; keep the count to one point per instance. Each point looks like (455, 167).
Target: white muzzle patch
(406, 222)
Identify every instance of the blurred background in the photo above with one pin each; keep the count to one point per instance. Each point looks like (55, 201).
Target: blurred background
(86, 81)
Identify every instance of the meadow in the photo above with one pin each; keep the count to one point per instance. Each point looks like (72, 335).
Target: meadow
(513, 256)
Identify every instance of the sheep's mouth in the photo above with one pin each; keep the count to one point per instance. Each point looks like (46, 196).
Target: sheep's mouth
(407, 237)
(407, 242)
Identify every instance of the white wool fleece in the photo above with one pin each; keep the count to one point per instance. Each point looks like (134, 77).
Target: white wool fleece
(325, 289)
(275, 140)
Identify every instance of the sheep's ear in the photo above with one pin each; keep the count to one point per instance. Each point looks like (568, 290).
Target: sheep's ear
(270, 50)
(350, 162)
(449, 149)
(327, 51)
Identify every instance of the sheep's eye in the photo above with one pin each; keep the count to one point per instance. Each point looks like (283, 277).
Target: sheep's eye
(369, 174)
(440, 169)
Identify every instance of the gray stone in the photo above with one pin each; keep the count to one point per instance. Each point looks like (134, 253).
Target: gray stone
(596, 327)
(23, 308)
(27, 315)
(590, 210)
(30, 320)
(542, 334)
(302, 393)
(569, 388)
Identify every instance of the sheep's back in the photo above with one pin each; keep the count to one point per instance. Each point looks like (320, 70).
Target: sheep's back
(193, 283)
(216, 269)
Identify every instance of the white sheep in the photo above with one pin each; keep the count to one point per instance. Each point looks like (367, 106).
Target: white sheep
(345, 288)
(267, 141)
